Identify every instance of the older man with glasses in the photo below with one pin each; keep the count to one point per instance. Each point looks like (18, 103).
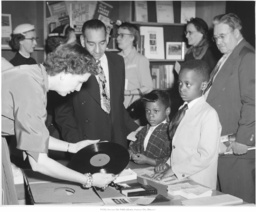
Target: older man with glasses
(231, 92)
(23, 41)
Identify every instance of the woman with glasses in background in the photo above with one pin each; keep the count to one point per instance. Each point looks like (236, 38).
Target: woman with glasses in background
(23, 41)
(137, 71)
(200, 47)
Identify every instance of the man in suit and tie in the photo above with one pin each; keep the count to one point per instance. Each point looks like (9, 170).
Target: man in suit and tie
(232, 95)
(97, 111)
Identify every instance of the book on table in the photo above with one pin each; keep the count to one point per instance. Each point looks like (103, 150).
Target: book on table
(137, 189)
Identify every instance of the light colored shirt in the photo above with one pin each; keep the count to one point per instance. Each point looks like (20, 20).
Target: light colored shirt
(137, 75)
(24, 100)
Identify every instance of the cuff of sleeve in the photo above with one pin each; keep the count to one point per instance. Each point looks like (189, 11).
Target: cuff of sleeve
(180, 176)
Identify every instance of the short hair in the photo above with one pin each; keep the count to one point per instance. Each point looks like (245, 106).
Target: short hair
(70, 58)
(94, 24)
(15, 41)
(133, 29)
(58, 36)
(200, 67)
(231, 19)
(156, 95)
(200, 25)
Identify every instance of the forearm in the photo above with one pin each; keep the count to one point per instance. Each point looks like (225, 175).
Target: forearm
(59, 145)
(49, 167)
(151, 161)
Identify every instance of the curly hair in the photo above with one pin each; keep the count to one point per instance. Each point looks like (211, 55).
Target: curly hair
(15, 41)
(70, 58)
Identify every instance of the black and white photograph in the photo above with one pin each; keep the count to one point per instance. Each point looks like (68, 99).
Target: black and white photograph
(127, 106)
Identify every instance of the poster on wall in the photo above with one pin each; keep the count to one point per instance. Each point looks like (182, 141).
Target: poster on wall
(153, 42)
(6, 29)
(80, 12)
(103, 13)
(164, 11)
(188, 11)
(141, 11)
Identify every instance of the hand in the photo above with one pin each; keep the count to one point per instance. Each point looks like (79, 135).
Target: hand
(162, 175)
(74, 148)
(238, 148)
(161, 167)
(102, 180)
(139, 158)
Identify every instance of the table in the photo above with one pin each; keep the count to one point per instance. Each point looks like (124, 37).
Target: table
(32, 177)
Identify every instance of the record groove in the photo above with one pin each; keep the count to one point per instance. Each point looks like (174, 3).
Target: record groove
(105, 157)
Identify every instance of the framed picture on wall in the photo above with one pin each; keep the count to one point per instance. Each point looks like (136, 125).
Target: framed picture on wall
(153, 42)
(175, 51)
(6, 29)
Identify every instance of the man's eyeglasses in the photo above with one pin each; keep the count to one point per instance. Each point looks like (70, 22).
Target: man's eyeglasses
(32, 39)
(189, 32)
(122, 34)
(221, 37)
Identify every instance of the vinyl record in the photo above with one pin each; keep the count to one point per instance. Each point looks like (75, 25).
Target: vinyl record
(105, 157)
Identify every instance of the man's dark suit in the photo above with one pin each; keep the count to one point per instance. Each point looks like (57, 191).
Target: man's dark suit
(82, 117)
(232, 95)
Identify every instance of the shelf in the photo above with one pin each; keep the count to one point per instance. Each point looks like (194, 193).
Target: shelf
(7, 48)
(163, 60)
(157, 24)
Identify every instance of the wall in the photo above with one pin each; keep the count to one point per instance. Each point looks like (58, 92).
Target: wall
(26, 12)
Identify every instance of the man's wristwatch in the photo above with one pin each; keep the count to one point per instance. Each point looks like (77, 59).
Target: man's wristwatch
(89, 181)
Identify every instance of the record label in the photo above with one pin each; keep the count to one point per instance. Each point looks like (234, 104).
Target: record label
(104, 157)
(99, 160)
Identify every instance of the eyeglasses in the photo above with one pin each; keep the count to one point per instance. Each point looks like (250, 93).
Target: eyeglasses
(122, 34)
(189, 32)
(221, 37)
(32, 39)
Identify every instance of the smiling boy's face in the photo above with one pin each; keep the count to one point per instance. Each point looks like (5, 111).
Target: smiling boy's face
(190, 85)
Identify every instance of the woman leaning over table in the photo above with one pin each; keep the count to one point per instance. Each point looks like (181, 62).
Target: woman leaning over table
(200, 46)
(137, 72)
(24, 113)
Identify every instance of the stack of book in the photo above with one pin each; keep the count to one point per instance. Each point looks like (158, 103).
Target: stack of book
(137, 189)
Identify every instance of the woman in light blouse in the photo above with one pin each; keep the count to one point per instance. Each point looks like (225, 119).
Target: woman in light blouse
(137, 70)
(24, 114)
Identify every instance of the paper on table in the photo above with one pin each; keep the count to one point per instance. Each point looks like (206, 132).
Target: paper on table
(224, 199)
(148, 172)
(126, 175)
(189, 191)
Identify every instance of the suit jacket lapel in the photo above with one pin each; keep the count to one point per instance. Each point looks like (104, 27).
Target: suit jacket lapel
(112, 79)
(92, 88)
(224, 73)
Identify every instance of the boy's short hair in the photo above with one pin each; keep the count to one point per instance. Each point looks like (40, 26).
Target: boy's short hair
(156, 95)
(199, 66)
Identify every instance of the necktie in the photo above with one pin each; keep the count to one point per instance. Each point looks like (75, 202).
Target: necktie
(104, 96)
(176, 120)
(214, 72)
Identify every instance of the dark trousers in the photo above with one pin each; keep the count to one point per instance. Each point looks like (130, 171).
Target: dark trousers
(236, 176)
